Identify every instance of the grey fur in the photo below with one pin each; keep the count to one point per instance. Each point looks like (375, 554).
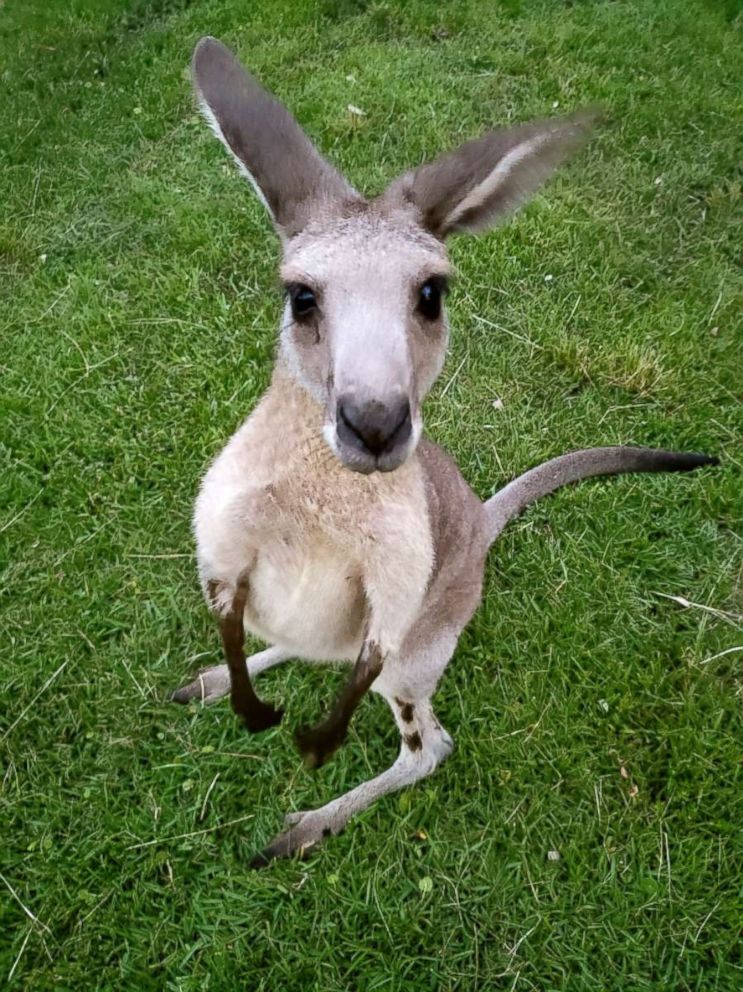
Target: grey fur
(440, 189)
(293, 178)
(585, 464)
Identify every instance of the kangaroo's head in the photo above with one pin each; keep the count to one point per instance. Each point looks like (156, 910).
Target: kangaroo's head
(364, 327)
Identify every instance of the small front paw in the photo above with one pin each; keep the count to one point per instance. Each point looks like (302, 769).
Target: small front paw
(317, 744)
(262, 717)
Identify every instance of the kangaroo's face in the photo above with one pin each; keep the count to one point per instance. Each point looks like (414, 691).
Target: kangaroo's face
(364, 328)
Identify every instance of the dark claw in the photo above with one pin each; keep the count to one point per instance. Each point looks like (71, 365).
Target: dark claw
(184, 695)
(298, 840)
(281, 848)
(261, 860)
(317, 744)
(261, 718)
(284, 846)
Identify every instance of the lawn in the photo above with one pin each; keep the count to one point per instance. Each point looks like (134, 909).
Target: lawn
(595, 699)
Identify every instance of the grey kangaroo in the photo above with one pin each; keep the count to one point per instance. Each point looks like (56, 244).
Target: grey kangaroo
(330, 526)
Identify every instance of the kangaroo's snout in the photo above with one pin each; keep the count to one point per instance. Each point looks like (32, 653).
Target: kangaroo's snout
(375, 427)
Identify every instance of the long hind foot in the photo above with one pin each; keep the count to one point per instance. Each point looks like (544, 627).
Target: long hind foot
(213, 683)
(425, 744)
(209, 685)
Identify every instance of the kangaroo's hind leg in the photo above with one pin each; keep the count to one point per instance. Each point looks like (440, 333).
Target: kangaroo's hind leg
(424, 745)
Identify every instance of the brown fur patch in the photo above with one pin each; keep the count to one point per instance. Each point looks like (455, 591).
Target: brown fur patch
(414, 741)
(406, 709)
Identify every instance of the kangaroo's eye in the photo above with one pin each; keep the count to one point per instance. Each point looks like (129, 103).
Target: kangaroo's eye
(303, 301)
(429, 298)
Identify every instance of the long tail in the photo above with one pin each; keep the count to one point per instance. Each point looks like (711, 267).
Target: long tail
(509, 502)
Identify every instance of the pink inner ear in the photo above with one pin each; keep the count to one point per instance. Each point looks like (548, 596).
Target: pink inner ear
(480, 183)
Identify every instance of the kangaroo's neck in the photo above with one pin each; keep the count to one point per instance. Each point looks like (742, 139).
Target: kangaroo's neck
(285, 435)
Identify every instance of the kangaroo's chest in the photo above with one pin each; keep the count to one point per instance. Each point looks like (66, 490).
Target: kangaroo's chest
(278, 502)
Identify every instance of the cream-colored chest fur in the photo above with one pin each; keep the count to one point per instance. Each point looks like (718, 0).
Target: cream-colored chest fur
(314, 536)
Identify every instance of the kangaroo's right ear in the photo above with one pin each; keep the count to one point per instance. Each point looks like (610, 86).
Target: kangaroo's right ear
(482, 182)
(288, 173)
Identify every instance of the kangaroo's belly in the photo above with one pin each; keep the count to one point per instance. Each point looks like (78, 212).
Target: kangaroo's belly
(308, 598)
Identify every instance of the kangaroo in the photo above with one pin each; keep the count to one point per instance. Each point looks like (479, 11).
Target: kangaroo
(329, 526)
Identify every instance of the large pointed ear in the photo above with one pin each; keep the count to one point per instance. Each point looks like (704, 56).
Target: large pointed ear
(288, 173)
(479, 184)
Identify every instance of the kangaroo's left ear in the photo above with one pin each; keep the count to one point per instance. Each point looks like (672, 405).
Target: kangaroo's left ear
(479, 184)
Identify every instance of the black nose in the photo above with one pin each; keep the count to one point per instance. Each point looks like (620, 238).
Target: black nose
(375, 428)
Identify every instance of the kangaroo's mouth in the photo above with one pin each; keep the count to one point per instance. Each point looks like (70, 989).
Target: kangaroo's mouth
(359, 456)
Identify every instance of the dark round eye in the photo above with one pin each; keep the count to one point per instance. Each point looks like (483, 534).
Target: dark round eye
(429, 299)
(303, 301)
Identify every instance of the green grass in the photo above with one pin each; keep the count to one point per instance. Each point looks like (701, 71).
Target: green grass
(593, 715)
